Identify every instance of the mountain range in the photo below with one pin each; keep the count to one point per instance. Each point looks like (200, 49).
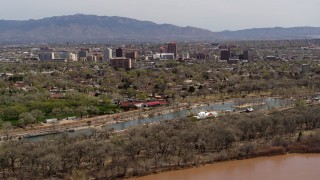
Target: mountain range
(83, 28)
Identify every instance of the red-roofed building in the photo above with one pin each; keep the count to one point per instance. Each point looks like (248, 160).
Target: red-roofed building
(144, 104)
(156, 103)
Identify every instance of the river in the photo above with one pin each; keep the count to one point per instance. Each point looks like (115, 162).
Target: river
(266, 103)
(263, 104)
(291, 167)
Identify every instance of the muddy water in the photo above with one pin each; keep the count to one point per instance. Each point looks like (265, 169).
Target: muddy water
(291, 167)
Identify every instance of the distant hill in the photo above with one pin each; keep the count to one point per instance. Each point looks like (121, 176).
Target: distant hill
(277, 33)
(84, 28)
(95, 28)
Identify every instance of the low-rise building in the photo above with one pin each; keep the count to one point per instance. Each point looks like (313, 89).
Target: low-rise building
(46, 56)
(164, 56)
(120, 62)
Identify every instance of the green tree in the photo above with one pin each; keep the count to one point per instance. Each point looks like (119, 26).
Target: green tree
(92, 110)
(13, 111)
(26, 119)
(38, 114)
(105, 100)
(142, 96)
(82, 110)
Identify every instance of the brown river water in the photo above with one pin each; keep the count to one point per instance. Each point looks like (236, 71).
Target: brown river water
(286, 167)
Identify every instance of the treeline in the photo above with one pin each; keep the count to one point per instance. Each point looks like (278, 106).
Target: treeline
(60, 90)
(169, 145)
(32, 109)
(51, 90)
(18, 107)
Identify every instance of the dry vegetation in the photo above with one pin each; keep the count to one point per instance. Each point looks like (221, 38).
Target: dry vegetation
(165, 146)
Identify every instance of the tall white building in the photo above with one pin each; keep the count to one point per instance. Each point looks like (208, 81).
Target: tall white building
(108, 54)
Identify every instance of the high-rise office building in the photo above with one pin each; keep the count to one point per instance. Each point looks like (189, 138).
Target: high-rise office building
(127, 53)
(225, 54)
(245, 55)
(120, 52)
(83, 54)
(163, 50)
(131, 55)
(172, 48)
(108, 54)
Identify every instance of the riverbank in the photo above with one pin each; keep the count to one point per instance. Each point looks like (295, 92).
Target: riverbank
(246, 105)
(290, 166)
(254, 144)
(310, 144)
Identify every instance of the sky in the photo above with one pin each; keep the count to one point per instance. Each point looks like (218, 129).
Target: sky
(215, 15)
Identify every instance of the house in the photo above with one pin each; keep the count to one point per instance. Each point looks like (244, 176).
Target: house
(143, 104)
(72, 118)
(51, 121)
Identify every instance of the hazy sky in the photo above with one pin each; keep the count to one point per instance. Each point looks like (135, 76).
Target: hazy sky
(215, 15)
